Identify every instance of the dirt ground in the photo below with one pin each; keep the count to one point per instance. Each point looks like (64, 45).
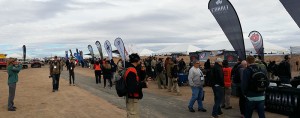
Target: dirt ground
(35, 99)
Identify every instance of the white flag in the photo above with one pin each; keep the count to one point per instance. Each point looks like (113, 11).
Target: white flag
(107, 47)
(121, 48)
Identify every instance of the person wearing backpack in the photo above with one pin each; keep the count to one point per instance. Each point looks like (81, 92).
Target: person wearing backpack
(172, 72)
(284, 70)
(107, 73)
(254, 84)
(160, 74)
(134, 87)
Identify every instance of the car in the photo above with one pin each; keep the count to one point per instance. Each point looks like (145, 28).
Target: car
(36, 64)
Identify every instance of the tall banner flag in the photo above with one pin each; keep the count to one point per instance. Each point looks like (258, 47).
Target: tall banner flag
(231, 57)
(293, 7)
(98, 44)
(203, 56)
(228, 20)
(91, 51)
(67, 56)
(24, 53)
(108, 49)
(257, 42)
(71, 54)
(121, 48)
(77, 51)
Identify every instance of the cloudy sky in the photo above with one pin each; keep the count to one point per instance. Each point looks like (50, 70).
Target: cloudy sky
(49, 27)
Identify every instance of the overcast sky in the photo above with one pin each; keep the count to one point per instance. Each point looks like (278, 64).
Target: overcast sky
(49, 27)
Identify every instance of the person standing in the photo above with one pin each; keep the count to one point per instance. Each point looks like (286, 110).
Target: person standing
(55, 69)
(160, 74)
(227, 85)
(207, 68)
(284, 72)
(71, 68)
(217, 78)
(255, 99)
(13, 70)
(134, 86)
(242, 99)
(181, 65)
(107, 73)
(196, 81)
(172, 71)
(97, 71)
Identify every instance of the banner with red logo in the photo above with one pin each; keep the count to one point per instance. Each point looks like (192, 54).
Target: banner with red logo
(293, 8)
(203, 56)
(231, 57)
(228, 20)
(257, 42)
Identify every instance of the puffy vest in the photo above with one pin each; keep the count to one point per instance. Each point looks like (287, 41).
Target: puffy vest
(227, 76)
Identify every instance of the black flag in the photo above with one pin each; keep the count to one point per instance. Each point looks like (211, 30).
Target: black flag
(293, 7)
(229, 21)
(24, 53)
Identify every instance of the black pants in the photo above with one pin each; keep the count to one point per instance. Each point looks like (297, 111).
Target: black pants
(55, 81)
(71, 75)
(98, 76)
(107, 77)
(242, 100)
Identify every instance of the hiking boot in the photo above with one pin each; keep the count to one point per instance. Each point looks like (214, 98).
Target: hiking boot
(11, 109)
(230, 107)
(202, 109)
(191, 110)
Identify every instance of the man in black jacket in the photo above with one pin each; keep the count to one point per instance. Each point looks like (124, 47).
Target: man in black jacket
(217, 86)
(134, 86)
(284, 72)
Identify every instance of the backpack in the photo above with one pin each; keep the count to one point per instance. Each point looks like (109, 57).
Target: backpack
(258, 80)
(121, 86)
(174, 71)
(159, 67)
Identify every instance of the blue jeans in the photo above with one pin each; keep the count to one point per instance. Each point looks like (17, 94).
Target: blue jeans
(197, 94)
(218, 93)
(55, 81)
(251, 105)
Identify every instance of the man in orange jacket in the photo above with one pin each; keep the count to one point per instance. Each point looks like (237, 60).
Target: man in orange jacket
(227, 85)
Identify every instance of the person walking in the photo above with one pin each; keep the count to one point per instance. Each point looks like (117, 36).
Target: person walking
(217, 78)
(71, 68)
(172, 71)
(255, 98)
(97, 72)
(242, 99)
(207, 68)
(196, 81)
(13, 70)
(107, 73)
(134, 86)
(55, 69)
(160, 74)
(227, 85)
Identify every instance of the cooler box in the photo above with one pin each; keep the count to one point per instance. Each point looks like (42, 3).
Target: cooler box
(182, 78)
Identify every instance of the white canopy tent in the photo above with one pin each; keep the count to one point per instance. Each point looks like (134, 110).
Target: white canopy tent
(145, 52)
(268, 47)
(185, 49)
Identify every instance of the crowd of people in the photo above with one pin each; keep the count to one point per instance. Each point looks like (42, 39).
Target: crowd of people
(244, 74)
